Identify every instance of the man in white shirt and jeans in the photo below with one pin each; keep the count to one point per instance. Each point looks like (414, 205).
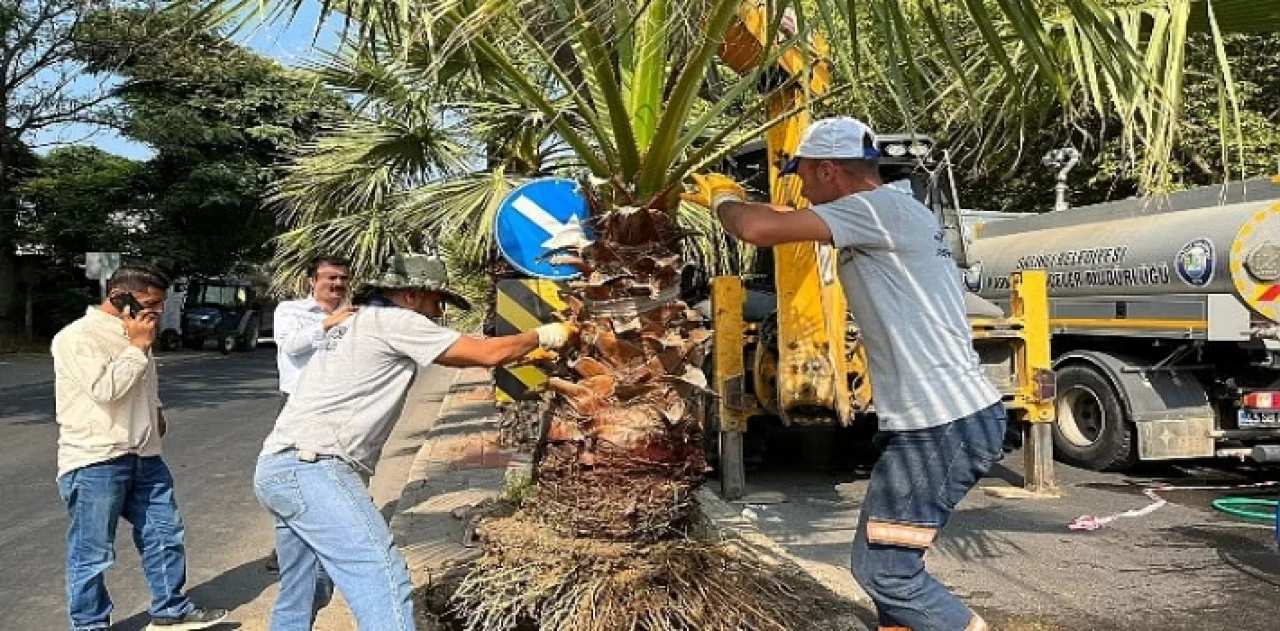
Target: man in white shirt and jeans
(941, 422)
(300, 325)
(310, 475)
(109, 462)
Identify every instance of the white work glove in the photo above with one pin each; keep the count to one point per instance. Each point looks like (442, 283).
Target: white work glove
(553, 336)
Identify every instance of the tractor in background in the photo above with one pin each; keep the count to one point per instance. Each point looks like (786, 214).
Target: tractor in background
(230, 313)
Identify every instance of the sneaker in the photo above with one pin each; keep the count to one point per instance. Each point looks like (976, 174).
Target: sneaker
(198, 618)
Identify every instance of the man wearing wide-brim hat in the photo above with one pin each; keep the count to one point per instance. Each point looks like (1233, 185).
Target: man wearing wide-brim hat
(312, 470)
(419, 273)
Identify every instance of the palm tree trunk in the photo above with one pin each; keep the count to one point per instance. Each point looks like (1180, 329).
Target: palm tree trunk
(624, 448)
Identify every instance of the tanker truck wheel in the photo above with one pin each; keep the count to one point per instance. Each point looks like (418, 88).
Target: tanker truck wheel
(1091, 431)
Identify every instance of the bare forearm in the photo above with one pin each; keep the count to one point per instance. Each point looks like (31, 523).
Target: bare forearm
(516, 346)
(489, 352)
(746, 220)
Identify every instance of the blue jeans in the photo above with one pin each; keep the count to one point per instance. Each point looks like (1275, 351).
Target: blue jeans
(919, 479)
(326, 523)
(141, 491)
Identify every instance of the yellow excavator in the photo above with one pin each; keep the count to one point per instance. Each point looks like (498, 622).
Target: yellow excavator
(784, 344)
(799, 357)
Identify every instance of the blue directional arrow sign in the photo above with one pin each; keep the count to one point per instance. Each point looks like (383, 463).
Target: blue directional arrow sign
(536, 218)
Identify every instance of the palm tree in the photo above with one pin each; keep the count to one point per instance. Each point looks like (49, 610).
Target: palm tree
(625, 452)
(634, 94)
(402, 173)
(997, 73)
(636, 126)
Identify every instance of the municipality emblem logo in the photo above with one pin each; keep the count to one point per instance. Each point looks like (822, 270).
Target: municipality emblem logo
(1195, 263)
(973, 277)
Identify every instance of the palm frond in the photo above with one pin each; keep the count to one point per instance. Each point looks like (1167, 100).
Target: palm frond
(709, 247)
(620, 89)
(364, 164)
(1007, 68)
(457, 212)
(366, 237)
(463, 206)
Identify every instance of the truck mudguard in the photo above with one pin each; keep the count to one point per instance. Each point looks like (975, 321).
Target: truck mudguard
(1169, 407)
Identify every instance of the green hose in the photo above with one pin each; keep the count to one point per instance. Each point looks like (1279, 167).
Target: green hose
(1233, 506)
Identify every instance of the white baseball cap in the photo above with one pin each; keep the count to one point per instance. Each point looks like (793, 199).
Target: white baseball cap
(836, 138)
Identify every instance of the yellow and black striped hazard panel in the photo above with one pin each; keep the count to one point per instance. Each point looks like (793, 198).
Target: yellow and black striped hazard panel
(523, 305)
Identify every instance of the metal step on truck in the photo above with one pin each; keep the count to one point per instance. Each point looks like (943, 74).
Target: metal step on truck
(1165, 315)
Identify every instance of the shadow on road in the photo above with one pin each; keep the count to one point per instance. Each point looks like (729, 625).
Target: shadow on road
(1236, 549)
(197, 381)
(230, 590)
(27, 405)
(207, 384)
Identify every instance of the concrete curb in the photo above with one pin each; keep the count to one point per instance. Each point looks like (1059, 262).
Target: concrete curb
(729, 519)
(458, 467)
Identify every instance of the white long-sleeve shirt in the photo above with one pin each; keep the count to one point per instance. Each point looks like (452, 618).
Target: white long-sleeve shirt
(107, 395)
(299, 331)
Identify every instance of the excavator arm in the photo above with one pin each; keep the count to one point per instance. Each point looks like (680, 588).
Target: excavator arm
(804, 364)
(800, 368)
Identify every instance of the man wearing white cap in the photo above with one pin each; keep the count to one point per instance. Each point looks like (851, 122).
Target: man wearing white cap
(941, 422)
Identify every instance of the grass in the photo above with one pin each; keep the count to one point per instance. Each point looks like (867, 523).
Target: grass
(519, 489)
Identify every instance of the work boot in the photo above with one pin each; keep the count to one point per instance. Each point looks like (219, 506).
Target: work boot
(198, 618)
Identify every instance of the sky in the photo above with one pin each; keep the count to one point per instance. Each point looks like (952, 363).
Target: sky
(289, 43)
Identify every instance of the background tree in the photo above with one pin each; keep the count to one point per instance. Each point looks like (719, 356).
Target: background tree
(40, 87)
(76, 199)
(81, 199)
(219, 119)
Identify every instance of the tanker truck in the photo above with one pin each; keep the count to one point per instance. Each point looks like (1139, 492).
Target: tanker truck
(1165, 314)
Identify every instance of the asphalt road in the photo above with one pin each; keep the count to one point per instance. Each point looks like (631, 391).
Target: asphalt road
(219, 410)
(1183, 566)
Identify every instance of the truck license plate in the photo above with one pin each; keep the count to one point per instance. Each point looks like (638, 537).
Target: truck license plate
(1249, 418)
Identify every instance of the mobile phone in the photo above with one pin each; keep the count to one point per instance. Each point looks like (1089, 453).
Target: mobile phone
(126, 300)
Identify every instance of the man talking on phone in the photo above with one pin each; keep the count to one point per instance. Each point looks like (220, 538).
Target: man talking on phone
(109, 463)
